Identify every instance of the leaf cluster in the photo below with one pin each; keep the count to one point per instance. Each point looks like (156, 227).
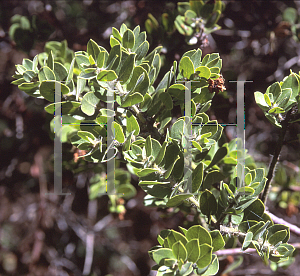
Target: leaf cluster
(98, 91)
(279, 98)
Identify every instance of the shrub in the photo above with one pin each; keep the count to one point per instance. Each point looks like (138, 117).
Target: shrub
(181, 165)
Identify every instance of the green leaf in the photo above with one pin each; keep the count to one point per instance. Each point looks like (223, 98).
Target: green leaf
(102, 58)
(193, 250)
(213, 63)
(46, 73)
(82, 60)
(255, 210)
(213, 267)
(98, 186)
(276, 110)
(217, 240)
(30, 88)
(21, 69)
(186, 269)
(18, 81)
(27, 64)
(107, 75)
(291, 82)
(142, 50)
(260, 101)
(155, 148)
(211, 178)
(131, 124)
(87, 136)
(128, 39)
(290, 15)
(67, 107)
(50, 61)
(183, 230)
(148, 146)
(197, 146)
(177, 199)
(71, 70)
(114, 57)
(123, 29)
(186, 67)
(176, 236)
(182, 27)
(205, 255)
(190, 16)
(126, 69)
(267, 100)
(29, 75)
(145, 172)
(277, 237)
(273, 120)
(93, 49)
(196, 6)
(60, 71)
(88, 74)
(137, 84)
(161, 153)
(171, 167)
(247, 240)
(47, 89)
(197, 177)
(177, 130)
(164, 83)
(275, 90)
(119, 135)
(220, 154)
(213, 19)
(200, 233)
(146, 182)
(80, 86)
(179, 251)
(177, 91)
(205, 60)
(248, 179)
(126, 191)
(276, 228)
(167, 100)
(285, 250)
(204, 72)
(133, 99)
(89, 103)
(196, 58)
(208, 203)
(284, 97)
(161, 254)
(116, 34)
(246, 191)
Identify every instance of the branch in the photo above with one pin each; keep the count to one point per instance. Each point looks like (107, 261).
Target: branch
(238, 251)
(293, 228)
(90, 239)
(285, 124)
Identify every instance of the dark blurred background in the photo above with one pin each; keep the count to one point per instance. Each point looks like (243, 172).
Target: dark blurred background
(46, 235)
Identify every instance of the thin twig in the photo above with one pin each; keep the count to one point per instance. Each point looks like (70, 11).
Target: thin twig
(238, 251)
(90, 239)
(284, 124)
